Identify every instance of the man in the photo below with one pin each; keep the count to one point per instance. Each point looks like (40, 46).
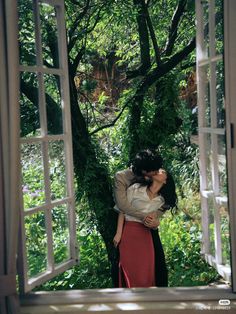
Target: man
(145, 163)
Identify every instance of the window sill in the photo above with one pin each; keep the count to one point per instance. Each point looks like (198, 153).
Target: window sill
(165, 300)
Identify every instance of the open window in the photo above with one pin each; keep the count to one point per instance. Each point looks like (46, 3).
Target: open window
(212, 135)
(48, 232)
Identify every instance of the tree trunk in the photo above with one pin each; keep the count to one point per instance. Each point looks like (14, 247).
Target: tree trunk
(92, 177)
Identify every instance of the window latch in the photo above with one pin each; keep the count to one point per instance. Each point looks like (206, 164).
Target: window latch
(232, 135)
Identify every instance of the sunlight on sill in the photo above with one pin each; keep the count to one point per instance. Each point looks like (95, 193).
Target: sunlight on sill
(142, 307)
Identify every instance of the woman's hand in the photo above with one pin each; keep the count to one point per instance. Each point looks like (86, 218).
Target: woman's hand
(116, 239)
(151, 221)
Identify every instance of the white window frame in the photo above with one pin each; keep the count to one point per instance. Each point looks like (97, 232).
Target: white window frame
(27, 284)
(180, 299)
(208, 57)
(230, 96)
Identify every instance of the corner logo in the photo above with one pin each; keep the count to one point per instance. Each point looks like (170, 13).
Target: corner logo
(224, 302)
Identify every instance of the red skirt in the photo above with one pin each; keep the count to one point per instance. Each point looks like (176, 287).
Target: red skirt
(136, 267)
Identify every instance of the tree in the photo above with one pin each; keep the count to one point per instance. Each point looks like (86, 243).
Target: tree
(148, 43)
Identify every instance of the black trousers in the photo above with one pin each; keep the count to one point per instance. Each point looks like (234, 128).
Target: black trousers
(160, 262)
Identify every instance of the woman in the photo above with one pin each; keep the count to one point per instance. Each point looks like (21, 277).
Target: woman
(137, 256)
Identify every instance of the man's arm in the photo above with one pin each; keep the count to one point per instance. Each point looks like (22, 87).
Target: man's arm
(123, 180)
(120, 186)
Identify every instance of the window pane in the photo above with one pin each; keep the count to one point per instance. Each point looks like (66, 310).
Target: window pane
(205, 77)
(29, 105)
(222, 165)
(36, 243)
(208, 153)
(53, 104)
(211, 210)
(32, 175)
(49, 35)
(220, 94)
(57, 169)
(224, 222)
(60, 227)
(219, 26)
(26, 32)
(205, 7)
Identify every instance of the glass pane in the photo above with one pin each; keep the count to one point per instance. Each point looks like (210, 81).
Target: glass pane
(36, 243)
(220, 95)
(211, 211)
(60, 225)
(205, 76)
(29, 105)
(222, 165)
(26, 32)
(53, 104)
(57, 170)
(224, 222)
(219, 26)
(205, 8)
(49, 35)
(208, 153)
(32, 175)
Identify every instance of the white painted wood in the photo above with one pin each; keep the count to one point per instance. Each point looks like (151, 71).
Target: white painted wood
(47, 138)
(212, 130)
(116, 295)
(230, 96)
(209, 132)
(49, 274)
(205, 61)
(40, 68)
(200, 307)
(65, 98)
(44, 139)
(144, 300)
(201, 85)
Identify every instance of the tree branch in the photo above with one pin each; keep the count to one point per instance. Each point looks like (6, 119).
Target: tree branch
(152, 77)
(87, 30)
(188, 65)
(143, 40)
(77, 59)
(153, 37)
(160, 71)
(174, 26)
(77, 20)
(112, 123)
(54, 113)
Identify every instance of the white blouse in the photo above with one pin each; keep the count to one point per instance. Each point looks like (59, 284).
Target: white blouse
(138, 197)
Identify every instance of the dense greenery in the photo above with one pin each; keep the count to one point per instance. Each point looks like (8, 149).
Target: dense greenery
(128, 62)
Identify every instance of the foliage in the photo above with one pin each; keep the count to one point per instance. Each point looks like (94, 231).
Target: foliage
(127, 60)
(93, 271)
(181, 238)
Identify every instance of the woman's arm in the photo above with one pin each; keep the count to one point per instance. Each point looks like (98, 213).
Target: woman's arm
(119, 229)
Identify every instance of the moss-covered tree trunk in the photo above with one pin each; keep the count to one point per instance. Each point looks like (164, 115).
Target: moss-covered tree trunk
(92, 177)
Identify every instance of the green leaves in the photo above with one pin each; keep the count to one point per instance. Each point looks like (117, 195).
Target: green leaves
(181, 240)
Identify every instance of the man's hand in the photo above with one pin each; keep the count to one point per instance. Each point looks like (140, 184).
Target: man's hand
(151, 221)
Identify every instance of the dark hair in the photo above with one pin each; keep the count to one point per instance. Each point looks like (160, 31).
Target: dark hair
(146, 160)
(168, 191)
